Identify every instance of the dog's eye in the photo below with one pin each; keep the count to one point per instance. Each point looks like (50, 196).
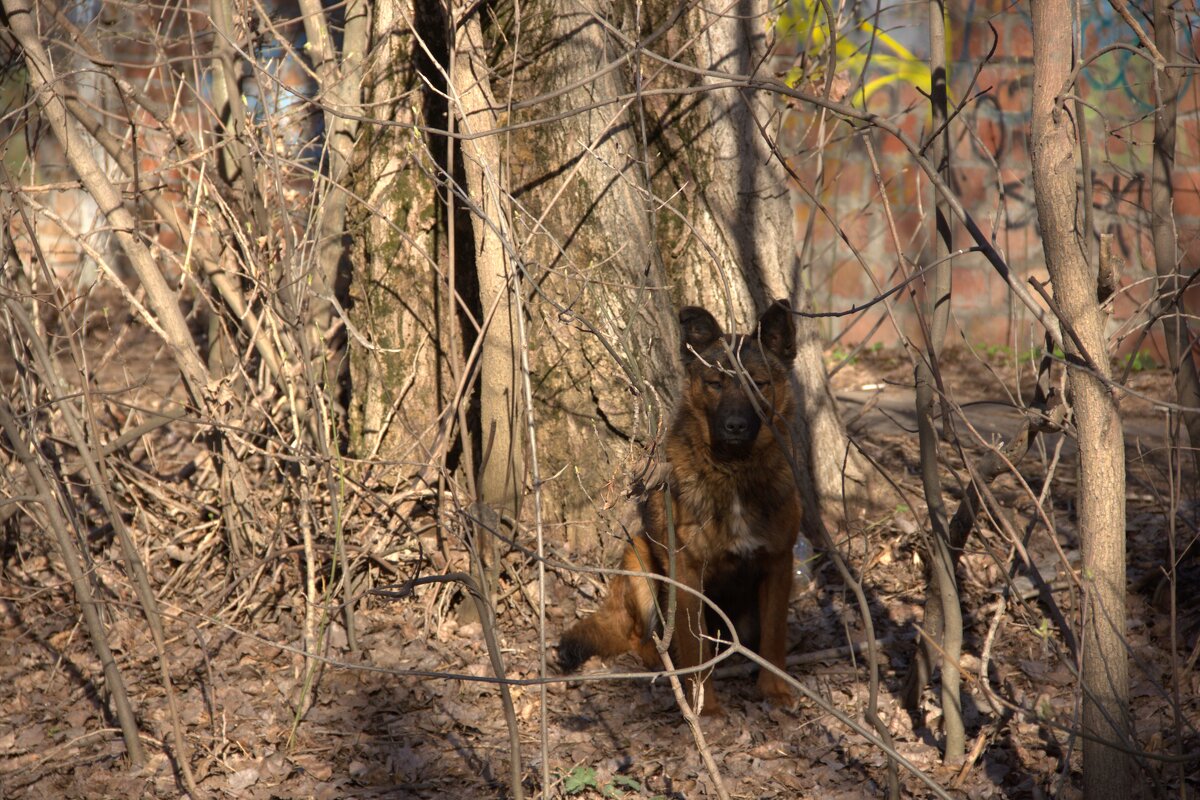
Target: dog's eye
(762, 385)
(712, 383)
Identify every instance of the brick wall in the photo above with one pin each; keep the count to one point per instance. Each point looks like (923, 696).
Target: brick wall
(990, 170)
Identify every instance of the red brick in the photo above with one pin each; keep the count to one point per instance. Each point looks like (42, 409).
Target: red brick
(1012, 94)
(1021, 247)
(1118, 145)
(983, 9)
(1189, 246)
(888, 146)
(903, 188)
(975, 286)
(910, 323)
(169, 241)
(855, 329)
(979, 40)
(850, 178)
(1189, 98)
(997, 292)
(976, 188)
(1125, 305)
(1135, 292)
(909, 224)
(918, 291)
(803, 209)
(1018, 146)
(1187, 195)
(992, 134)
(1191, 298)
(862, 229)
(1115, 195)
(983, 329)
(846, 284)
(1187, 139)
(1017, 37)
(1118, 105)
(1141, 248)
(1017, 177)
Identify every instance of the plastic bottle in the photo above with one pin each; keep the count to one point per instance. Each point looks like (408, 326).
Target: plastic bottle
(802, 563)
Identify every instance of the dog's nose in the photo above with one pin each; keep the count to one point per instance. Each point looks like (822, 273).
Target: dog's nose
(736, 426)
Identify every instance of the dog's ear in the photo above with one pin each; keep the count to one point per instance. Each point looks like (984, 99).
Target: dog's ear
(777, 331)
(700, 329)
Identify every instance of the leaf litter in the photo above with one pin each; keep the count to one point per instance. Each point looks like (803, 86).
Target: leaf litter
(388, 733)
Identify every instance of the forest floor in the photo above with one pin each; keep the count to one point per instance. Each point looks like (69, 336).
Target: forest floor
(386, 721)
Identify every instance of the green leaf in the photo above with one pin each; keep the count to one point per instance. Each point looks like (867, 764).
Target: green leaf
(579, 779)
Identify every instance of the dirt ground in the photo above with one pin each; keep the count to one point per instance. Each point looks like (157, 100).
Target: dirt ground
(393, 720)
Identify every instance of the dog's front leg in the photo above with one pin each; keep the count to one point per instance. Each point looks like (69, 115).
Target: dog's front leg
(691, 644)
(773, 595)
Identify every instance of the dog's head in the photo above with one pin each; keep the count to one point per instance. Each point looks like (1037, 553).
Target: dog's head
(735, 381)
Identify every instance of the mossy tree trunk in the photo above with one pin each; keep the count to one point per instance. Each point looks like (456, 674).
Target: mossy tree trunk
(398, 287)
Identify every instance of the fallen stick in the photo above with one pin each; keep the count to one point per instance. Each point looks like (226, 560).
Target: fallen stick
(813, 657)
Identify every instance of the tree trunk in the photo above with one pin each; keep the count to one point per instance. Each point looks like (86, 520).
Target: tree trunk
(1162, 221)
(398, 288)
(501, 468)
(1107, 770)
(340, 86)
(610, 248)
(499, 473)
(604, 330)
(943, 610)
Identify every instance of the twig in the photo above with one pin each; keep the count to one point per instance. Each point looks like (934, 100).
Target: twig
(83, 591)
(690, 717)
(1146, 41)
(810, 657)
(985, 656)
(133, 562)
(1066, 325)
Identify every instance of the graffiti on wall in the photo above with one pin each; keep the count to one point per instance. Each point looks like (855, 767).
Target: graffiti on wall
(871, 57)
(883, 54)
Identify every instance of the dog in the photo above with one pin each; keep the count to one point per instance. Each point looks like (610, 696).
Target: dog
(729, 509)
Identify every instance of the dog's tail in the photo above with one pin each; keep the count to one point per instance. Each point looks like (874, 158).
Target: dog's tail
(623, 623)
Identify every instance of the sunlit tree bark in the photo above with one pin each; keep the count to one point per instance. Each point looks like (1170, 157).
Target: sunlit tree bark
(1107, 768)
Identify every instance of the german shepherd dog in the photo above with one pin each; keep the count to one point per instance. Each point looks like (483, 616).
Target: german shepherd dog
(729, 507)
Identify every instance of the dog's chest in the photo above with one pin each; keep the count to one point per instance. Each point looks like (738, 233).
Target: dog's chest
(743, 532)
(734, 519)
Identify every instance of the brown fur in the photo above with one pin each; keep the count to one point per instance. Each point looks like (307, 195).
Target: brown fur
(734, 505)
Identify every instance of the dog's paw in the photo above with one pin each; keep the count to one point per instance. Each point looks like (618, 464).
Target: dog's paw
(570, 654)
(775, 690)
